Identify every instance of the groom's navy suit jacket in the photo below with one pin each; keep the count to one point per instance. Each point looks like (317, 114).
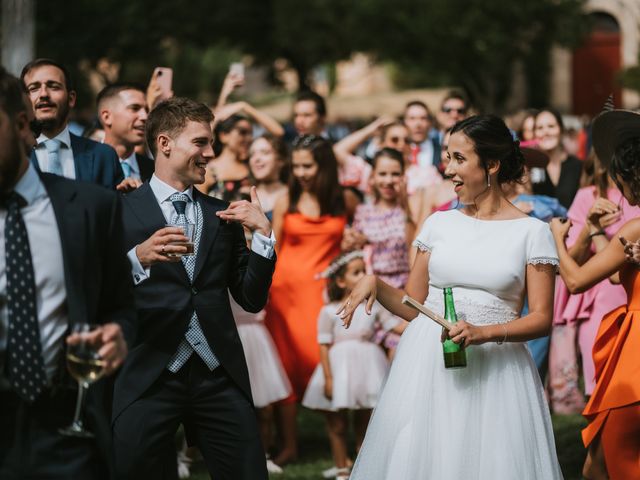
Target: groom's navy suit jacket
(167, 299)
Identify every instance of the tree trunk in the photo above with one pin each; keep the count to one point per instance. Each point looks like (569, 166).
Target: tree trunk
(18, 34)
(303, 76)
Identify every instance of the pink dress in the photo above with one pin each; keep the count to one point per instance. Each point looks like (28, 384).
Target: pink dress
(577, 317)
(387, 251)
(386, 231)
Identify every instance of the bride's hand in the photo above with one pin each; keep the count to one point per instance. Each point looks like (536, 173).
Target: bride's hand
(466, 334)
(365, 289)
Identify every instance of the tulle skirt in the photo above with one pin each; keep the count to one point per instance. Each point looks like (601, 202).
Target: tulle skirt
(268, 379)
(489, 420)
(358, 369)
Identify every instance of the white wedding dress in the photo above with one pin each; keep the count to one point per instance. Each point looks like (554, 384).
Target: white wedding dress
(490, 420)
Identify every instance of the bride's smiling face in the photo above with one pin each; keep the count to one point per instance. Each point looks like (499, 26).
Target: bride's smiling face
(465, 168)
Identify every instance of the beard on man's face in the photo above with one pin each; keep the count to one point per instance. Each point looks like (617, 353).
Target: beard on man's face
(53, 123)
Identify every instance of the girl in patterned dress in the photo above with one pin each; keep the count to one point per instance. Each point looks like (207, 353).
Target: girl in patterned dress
(384, 229)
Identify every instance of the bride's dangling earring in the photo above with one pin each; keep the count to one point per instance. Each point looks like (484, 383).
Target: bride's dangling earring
(488, 181)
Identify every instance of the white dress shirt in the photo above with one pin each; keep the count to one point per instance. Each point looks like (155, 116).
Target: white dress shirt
(133, 165)
(66, 154)
(425, 157)
(46, 257)
(260, 244)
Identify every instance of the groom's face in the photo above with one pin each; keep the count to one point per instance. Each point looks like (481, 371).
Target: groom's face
(191, 150)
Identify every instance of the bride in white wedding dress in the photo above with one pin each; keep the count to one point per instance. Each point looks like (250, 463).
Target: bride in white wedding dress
(490, 420)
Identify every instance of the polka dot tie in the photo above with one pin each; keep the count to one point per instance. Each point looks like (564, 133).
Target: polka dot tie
(24, 348)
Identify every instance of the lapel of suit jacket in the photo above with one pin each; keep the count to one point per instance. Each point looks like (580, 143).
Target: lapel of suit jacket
(145, 207)
(210, 224)
(72, 225)
(146, 167)
(34, 160)
(83, 158)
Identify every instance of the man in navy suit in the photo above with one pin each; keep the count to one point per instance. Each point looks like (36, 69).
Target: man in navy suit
(123, 112)
(57, 150)
(187, 364)
(61, 248)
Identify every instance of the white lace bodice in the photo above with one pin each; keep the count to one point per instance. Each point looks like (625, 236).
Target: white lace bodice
(483, 261)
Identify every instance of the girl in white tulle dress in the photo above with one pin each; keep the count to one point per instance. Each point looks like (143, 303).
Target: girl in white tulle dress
(489, 420)
(352, 367)
(269, 382)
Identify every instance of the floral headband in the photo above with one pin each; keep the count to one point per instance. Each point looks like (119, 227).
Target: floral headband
(340, 262)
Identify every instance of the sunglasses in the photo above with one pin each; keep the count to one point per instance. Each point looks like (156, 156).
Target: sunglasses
(461, 111)
(397, 139)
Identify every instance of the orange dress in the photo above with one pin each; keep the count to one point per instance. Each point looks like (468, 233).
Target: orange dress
(296, 296)
(614, 408)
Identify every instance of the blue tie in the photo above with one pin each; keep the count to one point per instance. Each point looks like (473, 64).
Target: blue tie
(194, 339)
(126, 169)
(53, 149)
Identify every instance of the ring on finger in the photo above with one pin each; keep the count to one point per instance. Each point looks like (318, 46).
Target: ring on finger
(163, 249)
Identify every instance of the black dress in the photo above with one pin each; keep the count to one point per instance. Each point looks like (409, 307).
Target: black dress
(568, 183)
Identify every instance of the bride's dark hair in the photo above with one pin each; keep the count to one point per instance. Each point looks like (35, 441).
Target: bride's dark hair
(493, 142)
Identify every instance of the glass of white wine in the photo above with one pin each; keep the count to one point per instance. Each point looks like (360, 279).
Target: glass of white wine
(86, 366)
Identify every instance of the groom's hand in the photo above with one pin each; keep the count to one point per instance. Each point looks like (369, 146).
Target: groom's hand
(248, 214)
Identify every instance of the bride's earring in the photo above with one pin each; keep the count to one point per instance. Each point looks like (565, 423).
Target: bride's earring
(488, 181)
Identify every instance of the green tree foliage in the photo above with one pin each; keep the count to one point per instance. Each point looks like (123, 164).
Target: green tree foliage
(471, 43)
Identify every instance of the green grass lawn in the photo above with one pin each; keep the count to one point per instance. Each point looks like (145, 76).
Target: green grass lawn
(315, 455)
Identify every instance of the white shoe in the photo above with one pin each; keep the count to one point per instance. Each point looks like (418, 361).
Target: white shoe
(183, 470)
(343, 473)
(184, 464)
(272, 467)
(330, 472)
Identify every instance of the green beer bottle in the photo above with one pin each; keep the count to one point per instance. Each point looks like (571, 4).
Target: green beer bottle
(454, 354)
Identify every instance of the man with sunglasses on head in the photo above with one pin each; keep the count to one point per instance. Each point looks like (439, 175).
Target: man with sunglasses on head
(454, 108)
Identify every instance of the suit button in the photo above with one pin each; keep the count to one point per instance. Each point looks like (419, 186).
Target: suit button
(194, 291)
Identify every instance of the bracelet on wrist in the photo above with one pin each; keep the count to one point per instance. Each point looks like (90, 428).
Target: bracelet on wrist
(595, 234)
(506, 332)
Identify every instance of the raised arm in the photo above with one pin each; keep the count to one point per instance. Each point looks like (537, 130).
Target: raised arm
(580, 278)
(602, 213)
(231, 82)
(269, 123)
(350, 143)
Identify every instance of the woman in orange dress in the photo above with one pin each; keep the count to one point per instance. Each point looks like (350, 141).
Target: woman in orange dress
(613, 433)
(308, 224)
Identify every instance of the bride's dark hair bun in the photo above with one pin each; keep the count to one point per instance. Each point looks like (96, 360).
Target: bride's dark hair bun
(494, 142)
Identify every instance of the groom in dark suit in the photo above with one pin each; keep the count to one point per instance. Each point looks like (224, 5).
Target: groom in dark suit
(57, 150)
(187, 365)
(61, 262)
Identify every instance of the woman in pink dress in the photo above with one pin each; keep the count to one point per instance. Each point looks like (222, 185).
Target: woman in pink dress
(597, 212)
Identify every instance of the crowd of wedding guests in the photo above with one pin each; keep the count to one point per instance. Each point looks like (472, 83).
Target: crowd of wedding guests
(339, 208)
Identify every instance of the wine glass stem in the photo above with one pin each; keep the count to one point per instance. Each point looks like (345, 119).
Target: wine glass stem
(82, 390)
